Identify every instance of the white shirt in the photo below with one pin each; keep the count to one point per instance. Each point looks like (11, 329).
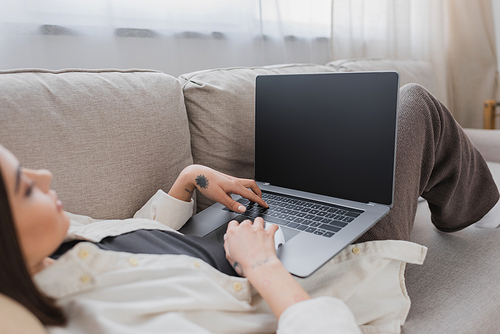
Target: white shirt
(359, 290)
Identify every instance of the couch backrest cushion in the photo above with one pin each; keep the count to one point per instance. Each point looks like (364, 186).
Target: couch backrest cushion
(410, 71)
(220, 106)
(111, 138)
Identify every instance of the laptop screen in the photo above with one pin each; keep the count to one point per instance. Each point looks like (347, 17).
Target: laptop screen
(332, 134)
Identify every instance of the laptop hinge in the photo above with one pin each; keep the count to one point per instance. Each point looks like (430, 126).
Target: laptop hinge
(376, 204)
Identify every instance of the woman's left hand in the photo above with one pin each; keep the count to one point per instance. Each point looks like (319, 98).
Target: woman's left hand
(250, 250)
(249, 245)
(216, 186)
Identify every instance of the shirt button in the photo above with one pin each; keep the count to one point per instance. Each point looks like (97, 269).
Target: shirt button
(85, 279)
(356, 250)
(237, 286)
(196, 264)
(83, 253)
(133, 261)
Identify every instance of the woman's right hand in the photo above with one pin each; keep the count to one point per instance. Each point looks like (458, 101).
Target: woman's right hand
(216, 186)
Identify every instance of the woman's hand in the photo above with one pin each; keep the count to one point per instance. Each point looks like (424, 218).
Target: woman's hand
(216, 186)
(250, 250)
(249, 246)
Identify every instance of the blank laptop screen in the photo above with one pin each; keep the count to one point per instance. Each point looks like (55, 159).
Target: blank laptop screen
(332, 134)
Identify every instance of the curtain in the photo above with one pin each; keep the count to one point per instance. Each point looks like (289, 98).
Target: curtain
(472, 59)
(456, 36)
(168, 35)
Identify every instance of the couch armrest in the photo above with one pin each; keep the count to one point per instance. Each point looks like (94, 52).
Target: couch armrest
(487, 142)
(15, 318)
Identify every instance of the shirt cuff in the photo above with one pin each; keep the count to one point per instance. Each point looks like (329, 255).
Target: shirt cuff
(167, 210)
(318, 315)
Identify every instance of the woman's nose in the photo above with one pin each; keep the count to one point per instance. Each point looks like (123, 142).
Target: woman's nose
(41, 177)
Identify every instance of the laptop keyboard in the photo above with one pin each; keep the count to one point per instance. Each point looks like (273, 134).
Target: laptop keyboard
(300, 214)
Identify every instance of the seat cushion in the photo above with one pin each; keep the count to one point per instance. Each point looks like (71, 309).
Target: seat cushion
(456, 290)
(111, 138)
(220, 106)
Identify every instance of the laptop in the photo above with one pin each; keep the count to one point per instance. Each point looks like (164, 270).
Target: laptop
(325, 148)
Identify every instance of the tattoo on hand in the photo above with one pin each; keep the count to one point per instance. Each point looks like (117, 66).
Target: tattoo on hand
(189, 191)
(238, 268)
(202, 181)
(260, 262)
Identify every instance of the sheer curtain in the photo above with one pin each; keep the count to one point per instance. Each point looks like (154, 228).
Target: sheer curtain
(392, 29)
(456, 36)
(169, 35)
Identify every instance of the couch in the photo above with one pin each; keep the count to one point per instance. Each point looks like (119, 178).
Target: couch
(112, 138)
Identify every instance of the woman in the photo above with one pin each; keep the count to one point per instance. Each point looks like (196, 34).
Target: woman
(112, 291)
(42, 226)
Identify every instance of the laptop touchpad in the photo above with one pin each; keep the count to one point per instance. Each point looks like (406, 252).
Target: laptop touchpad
(288, 233)
(218, 234)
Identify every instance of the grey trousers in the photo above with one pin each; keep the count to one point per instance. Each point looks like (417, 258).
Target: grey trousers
(435, 160)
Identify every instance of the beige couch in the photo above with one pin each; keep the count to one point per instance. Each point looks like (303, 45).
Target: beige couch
(112, 138)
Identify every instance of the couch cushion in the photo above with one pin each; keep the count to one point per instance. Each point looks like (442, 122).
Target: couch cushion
(487, 142)
(410, 71)
(220, 107)
(112, 138)
(456, 289)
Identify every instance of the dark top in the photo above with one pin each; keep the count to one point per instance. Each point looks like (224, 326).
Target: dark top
(161, 242)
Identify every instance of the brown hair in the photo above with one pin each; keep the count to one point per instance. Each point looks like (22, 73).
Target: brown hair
(15, 279)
